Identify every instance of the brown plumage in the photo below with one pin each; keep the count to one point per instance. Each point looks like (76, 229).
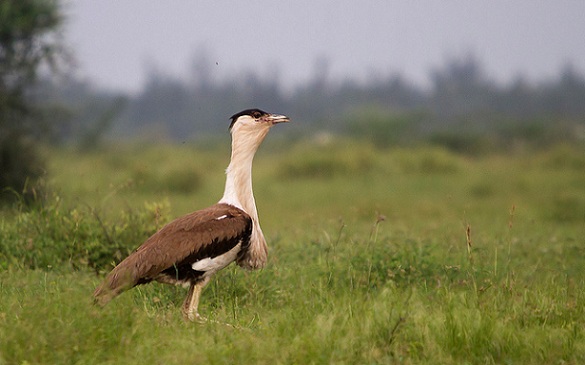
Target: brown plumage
(192, 248)
(167, 255)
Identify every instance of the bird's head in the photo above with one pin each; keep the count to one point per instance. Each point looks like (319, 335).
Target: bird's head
(255, 121)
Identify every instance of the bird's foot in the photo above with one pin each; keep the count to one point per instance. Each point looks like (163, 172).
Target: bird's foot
(194, 317)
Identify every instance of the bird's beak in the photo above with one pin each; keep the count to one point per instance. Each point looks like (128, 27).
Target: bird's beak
(276, 118)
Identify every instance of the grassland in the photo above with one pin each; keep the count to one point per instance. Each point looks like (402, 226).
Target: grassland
(413, 256)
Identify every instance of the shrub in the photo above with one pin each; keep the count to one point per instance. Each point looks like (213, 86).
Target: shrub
(50, 235)
(328, 161)
(567, 206)
(564, 156)
(20, 166)
(427, 160)
(183, 181)
(463, 142)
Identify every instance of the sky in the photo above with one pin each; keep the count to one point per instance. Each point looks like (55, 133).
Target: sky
(116, 43)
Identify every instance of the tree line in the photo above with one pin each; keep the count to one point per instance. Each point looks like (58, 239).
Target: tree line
(461, 108)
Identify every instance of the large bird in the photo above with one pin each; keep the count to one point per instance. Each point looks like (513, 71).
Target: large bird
(190, 249)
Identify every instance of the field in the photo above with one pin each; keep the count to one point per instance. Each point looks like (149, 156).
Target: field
(412, 256)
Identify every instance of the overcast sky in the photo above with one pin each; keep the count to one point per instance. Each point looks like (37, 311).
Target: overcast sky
(115, 42)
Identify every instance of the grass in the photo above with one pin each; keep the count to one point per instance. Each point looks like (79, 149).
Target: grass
(376, 256)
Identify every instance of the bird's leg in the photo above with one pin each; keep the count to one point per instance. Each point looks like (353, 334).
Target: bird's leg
(191, 303)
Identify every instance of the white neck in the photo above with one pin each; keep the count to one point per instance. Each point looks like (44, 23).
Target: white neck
(238, 189)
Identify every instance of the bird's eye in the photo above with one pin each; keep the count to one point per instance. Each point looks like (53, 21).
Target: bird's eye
(256, 115)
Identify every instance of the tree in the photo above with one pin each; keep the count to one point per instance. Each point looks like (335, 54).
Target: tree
(29, 40)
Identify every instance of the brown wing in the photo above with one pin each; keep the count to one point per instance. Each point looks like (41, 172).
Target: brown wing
(201, 234)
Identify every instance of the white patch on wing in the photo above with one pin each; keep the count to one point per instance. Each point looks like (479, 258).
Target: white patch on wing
(213, 264)
(221, 217)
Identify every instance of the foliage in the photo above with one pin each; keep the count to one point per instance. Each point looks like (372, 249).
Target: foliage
(28, 40)
(343, 159)
(47, 235)
(326, 161)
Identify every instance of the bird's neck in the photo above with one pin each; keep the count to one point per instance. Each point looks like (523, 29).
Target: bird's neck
(238, 187)
(238, 192)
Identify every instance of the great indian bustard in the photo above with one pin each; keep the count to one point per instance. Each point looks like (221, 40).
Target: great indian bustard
(192, 248)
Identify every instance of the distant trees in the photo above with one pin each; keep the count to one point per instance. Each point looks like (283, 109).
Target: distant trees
(470, 112)
(462, 106)
(29, 39)
(463, 109)
(198, 106)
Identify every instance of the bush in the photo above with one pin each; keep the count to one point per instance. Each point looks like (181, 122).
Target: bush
(563, 156)
(470, 143)
(184, 181)
(328, 161)
(20, 166)
(50, 235)
(567, 206)
(427, 160)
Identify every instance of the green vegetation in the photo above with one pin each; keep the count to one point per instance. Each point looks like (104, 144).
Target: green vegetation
(415, 256)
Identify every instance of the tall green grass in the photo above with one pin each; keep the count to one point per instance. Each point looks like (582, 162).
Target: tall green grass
(392, 256)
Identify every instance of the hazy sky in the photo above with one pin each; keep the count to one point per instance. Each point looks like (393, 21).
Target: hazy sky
(115, 42)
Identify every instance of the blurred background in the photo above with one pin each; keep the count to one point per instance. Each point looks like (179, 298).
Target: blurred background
(472, 77)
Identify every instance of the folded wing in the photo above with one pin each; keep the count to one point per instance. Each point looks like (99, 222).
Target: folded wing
(171, 254)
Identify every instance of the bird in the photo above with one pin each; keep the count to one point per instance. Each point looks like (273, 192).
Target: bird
(189, 250)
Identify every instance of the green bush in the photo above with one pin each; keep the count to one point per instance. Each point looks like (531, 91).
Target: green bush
(567, 206)
(563, 157)
(463, 142)
(184, 181)
(427, 160)
(327, 161)
(50, 235)
(20, 166)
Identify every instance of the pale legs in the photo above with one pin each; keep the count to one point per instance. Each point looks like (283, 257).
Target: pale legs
(192, 301)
